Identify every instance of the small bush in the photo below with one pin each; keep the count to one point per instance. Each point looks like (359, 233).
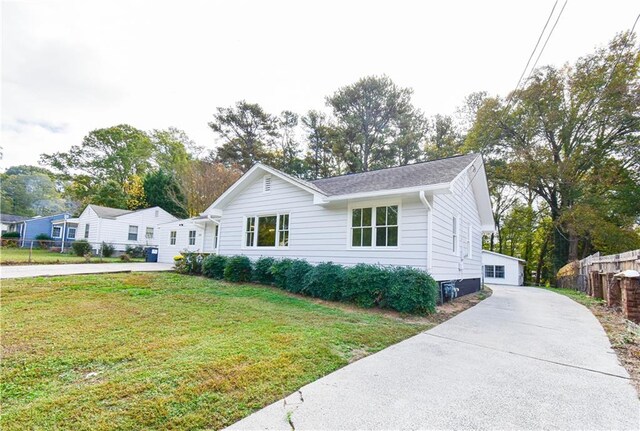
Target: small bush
(191, 263)
(279, 272)
(107, 250)
(8, 235)
(295, 275)
(81, 247)
(10, 239)
(325, 281)
(262, 270)
(412, 291)
(366, 285)
(135, 251)
(238, 269)
(125, 257)
(44, 240)
(213, 266)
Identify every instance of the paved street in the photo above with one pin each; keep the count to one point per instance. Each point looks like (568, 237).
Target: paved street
(525, 358)
(22, 271)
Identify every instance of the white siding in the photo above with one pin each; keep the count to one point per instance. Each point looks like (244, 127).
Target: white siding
(116, 231)
(321, 234)
(513, 269)
(204, 239)
(448, 265)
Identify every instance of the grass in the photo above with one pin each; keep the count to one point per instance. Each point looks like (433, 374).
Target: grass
(167, 351)
(576, 295)
(20, 256)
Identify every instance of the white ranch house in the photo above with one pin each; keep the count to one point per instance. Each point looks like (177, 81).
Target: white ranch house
(502, 269)
(98, 224)
(428, 215)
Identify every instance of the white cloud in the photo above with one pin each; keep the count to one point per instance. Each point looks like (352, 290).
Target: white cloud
(69, 67)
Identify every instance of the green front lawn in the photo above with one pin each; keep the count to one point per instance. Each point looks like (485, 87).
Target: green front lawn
(168, 351)
(20, 256)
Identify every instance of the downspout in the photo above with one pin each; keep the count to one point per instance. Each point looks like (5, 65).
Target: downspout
(425, 202)
(64, 231)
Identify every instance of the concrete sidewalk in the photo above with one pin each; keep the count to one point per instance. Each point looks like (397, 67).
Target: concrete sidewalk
(525, 358)
(23, 271)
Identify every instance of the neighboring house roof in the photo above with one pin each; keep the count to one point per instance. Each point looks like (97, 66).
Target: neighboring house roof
(106, 212)
(400, 177)
(10, 218)
(503, 255)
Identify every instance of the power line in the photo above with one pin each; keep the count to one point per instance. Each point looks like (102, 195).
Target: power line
(533, 68)
(533, 52)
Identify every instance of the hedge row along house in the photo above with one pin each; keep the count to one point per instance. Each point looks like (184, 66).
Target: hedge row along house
(428, 215)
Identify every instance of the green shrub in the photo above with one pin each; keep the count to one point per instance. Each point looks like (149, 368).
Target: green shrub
(325, 281)
(125, 257)
(191, 263)
(44, 240)
(279, 272)
(262, 270)
(238, 269)
(107, 250)
(366, 285)
(8, 235)
(81, 247)
(295, 274)
(213, 266)
(134, 251)
(10, 239)
(412, 291)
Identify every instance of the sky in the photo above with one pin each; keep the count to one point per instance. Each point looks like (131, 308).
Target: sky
(69, 67)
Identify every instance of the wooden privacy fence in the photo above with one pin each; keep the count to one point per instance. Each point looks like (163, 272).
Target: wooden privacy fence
(614, 278)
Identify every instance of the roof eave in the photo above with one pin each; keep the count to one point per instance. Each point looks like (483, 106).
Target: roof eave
(434, 188)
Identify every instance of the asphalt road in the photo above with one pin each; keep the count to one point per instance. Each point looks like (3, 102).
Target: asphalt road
(24, 271)
(525, 358)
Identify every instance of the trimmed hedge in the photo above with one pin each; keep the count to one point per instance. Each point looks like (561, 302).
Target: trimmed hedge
(262, 270)
(403, 289)
(107, 250)
(213, 266)
(325, 281)
(81, 247)
(238, 269)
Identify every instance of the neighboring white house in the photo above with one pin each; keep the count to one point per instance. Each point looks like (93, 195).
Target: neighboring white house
(197, 234)
(502, 269)
(428, 215)
(120, 227)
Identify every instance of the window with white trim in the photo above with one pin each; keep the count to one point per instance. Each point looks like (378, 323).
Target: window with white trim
(454, 234)
(133, 233)
(172, 237)
(494, 271)
(216, 229)
(192, 237)
(56, 232)
(86, 231)
(374, 226)
(71, 233)
(267, 231)
(149, 233)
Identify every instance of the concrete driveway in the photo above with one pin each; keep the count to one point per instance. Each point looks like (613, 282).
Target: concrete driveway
(23, 271)
(525, 358)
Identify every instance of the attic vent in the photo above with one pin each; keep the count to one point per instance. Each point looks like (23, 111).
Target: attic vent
(157, 213)
(267, 183)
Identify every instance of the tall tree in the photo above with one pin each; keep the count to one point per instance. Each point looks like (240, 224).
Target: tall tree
(320, 138)
(172, 149)
(30, 191)
(563, 126)
(249, 134)
(374, 115)
(162, 189)
(444, 138)
(202, 183)
(115, 153)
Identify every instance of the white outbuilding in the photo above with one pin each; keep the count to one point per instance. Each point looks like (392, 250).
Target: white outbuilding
(502, 269)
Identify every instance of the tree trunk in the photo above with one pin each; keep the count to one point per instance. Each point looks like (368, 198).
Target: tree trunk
(543, 251)
(573, 247)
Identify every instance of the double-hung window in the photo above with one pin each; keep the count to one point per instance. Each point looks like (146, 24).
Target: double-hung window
(57, 232)
(374, 226)
(133, 233)
(192, 237)
(86, 231)
(71, 233)
(172, 237)
(149, 233)
(267, 231)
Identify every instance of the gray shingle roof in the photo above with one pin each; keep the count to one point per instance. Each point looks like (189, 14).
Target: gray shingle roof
(106, 212)
(415, 175)
(10, 218)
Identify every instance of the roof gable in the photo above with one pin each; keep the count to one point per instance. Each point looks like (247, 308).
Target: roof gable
(106, 212)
